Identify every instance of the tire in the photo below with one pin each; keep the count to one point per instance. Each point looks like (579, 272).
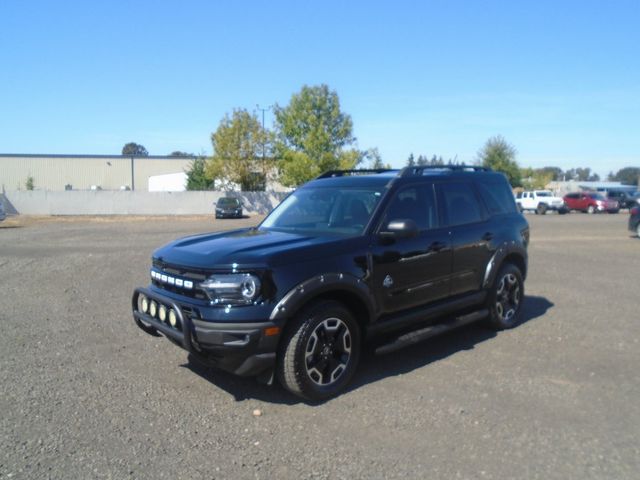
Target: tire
(320, 351)
(506, 298)
(562, 211)
(542, 209)
(520, 209)
(591, 209)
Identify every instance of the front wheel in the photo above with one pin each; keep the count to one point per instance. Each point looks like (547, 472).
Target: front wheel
(591, 209)
(542, 209)
(505, 298)
(320, 351)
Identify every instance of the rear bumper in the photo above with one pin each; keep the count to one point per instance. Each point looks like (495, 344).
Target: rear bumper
(240, 348)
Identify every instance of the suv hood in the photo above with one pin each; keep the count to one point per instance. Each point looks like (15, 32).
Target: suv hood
(247, 247)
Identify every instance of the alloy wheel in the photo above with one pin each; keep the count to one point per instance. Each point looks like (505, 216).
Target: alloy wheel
(328, 351)
(507, 297)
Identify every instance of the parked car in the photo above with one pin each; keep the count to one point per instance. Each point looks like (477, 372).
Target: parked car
(3, 213)
(590, 202)
(634, 219)
(228, 207)
(625, 199)
(540, 201)
(397, 256)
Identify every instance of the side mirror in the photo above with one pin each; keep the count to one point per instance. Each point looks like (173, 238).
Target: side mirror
(400, 228)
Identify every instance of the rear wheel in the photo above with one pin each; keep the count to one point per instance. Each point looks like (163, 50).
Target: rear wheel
(505, 298)
(320, 351)
(542, 209)
(591, 209)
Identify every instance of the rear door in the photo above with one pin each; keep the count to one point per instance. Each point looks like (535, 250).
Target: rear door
(473, 235)
(410, 272)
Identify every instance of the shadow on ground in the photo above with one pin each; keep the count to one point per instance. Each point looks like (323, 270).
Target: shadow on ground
(372, 367)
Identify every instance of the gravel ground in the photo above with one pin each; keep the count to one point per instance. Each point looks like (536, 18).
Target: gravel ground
(86, 394)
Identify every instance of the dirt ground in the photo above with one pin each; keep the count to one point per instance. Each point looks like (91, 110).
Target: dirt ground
(86, 394)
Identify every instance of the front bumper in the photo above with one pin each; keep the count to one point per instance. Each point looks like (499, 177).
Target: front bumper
(229, 214)
(245, 349)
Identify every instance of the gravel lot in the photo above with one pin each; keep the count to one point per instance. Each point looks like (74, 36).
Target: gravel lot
(86, 394)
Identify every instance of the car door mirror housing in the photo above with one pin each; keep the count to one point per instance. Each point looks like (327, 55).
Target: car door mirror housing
(400, 228)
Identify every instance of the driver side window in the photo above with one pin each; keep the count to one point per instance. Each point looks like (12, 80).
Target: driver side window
(416, 203)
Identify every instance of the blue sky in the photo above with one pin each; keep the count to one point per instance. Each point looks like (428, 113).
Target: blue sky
(560, 80)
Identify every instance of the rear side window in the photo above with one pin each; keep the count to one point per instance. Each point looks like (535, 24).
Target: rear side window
(497, 197)
(460, 203)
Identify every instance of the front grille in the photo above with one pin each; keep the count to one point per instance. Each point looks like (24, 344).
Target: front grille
(184, 273)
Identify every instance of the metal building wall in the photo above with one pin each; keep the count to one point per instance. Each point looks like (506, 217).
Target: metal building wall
(54, 172)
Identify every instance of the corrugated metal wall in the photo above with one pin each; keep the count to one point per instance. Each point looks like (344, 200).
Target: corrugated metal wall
(54, 172)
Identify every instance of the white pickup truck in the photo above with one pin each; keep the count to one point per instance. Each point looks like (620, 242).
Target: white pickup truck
(540, 201)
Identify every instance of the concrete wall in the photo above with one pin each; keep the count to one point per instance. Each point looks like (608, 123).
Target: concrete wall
(38, 202)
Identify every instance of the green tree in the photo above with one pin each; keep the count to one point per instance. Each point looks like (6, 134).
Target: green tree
(134, 149)
(30, 183)
(582, 175)
(628, 176)
(313, 135)
(535, 179)
(178, 153)
(237, 151)
(375, 159)
(197, 178)
(500, 156)
(411, 162)
(555, 172)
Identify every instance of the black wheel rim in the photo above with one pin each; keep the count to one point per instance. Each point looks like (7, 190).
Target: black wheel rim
(508, 296)
(328, 352)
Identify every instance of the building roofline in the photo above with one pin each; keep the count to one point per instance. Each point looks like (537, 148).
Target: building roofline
(58, 155)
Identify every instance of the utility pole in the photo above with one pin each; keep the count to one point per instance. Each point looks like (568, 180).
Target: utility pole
(263, 132)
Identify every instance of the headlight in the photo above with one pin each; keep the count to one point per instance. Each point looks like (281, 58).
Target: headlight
(232, 289)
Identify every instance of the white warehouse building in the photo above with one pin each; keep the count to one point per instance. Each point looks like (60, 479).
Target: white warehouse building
(85, 172)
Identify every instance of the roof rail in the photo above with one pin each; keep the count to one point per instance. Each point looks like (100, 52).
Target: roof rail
(419, 170)
(342, 173)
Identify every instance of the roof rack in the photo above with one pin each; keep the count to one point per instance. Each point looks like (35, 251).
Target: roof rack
(342, 173)
(419, 170)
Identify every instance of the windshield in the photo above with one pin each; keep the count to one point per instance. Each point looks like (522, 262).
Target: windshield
(228, 202)
(325, 210)
(596, 196)
(543, 194)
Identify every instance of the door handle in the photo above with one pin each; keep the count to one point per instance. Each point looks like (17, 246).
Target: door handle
(487, 237)
(436, 247)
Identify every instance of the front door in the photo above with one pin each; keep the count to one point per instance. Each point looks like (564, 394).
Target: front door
(409, 272)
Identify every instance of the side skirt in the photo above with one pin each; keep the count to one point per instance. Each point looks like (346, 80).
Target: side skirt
(431, 331)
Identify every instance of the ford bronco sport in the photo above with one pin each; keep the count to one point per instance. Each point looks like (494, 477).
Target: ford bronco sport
(387, 256)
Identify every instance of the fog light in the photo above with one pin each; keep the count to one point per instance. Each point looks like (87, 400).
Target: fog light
(143, 303)
(173, 319)
(162, 313)
(153, 308)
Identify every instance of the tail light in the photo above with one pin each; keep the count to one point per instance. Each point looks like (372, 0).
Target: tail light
(634, 210)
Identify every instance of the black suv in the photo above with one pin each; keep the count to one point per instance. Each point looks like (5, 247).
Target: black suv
(625, 198)
(395, 256)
